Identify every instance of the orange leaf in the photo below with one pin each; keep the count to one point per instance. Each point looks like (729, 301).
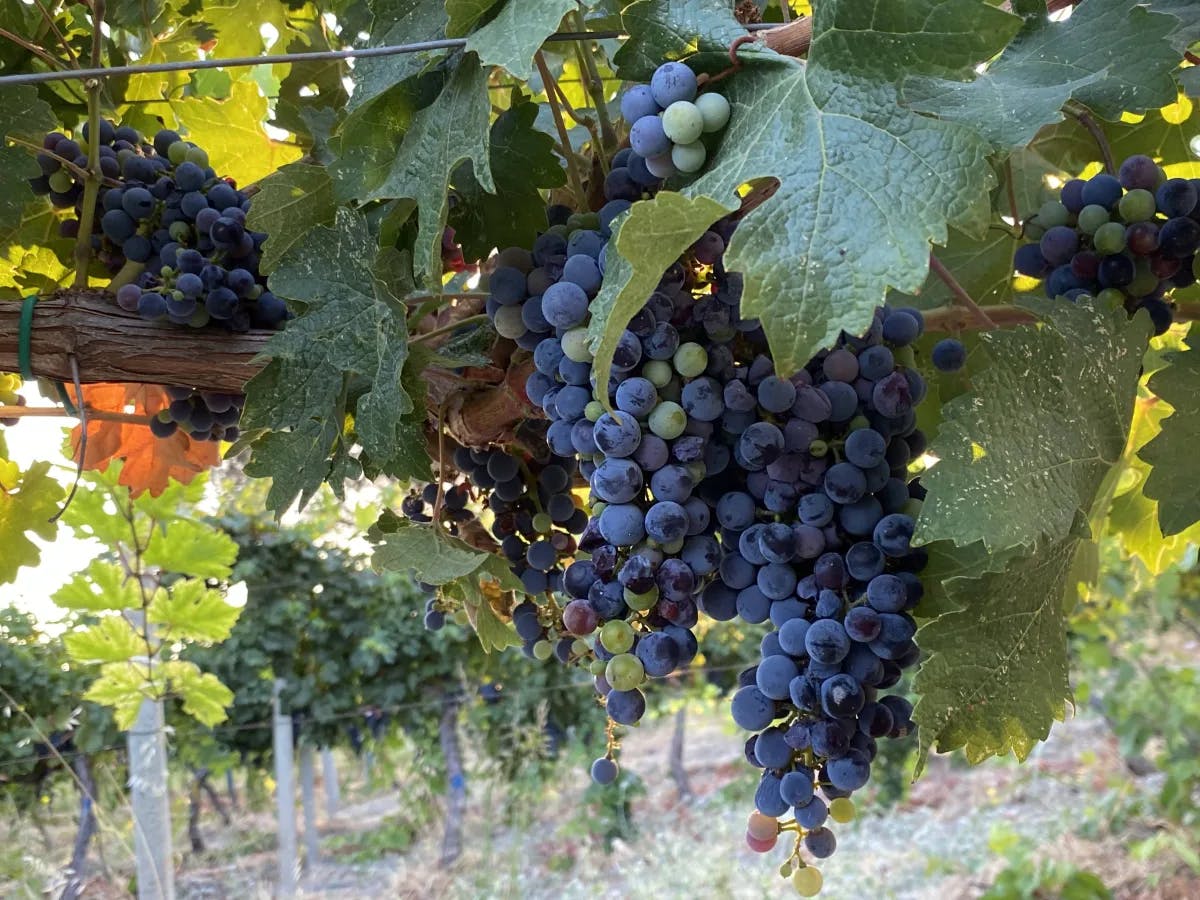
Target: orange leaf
(149, 462)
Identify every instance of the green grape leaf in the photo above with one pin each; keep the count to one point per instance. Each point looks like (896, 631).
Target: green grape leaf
(1188, 28)
(22, 115)
(32, 255)
(296, 461)
(1024, 455)
(191, 548)
(661, 30)
(493, 634)
(1174, 479)
(353, 325)
(994, 673)
(397, 22)
(516, 33)
(121, 686)
(463, 15)
(649, 238)
(947, 562)
(101, 586)
(1189, 80)
(983, 267)
(204, 697)
(231, 131)
(819, 254)
(24, 509)
(191, 611)
(431, 151)
(112, 639)
(522, 162)
(288, 204)
(1111, 55)
(433, 556)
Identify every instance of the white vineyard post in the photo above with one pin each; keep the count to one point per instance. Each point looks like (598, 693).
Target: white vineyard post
(285, 794)
(308, 797)
(151, 804)
(333, 793)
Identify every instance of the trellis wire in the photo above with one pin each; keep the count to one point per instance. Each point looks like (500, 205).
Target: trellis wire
(312, 56)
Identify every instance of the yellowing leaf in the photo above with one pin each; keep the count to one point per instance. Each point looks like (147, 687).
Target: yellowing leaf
(191, 611)
(26, 509)
(204, 697)
(101, 586)
(122, 686)
(112, 639)
(191, 548)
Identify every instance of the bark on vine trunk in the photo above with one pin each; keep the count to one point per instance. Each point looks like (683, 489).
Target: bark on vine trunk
(77, 872)
(214, 798)
(456, 790)
(193, 821)
(678, 772)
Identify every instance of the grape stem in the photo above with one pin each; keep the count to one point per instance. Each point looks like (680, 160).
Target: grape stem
(595, 87)
(1083, 116)
(427, 336)
(564, 141)
(48, 58)
(960, 294)
(955, 318)
(91, 181)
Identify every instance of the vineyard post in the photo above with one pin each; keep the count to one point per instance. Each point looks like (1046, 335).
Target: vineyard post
(456, 789)
(329, 776)
(151, 804)
(87, 827)
(285, 794)
(309, 802)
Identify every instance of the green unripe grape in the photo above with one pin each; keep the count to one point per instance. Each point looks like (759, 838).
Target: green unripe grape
(579, 647)
(616, 636)
(1144, 279)
(904, 356)
(625, 672)
(181, 231)
(697, 470)
(460, 617)
(1092, 217)
(683, 122)
(673, 548)
(714, 109)
(199, 318)
(690, 360)
(1053, 213)
(542, 650)
(561, 230)
(1111, 296)
(656, 371)
(807, 881)
(598, 506)
(859, 422)
(668, 420)
(912, 507)
(542, 523)
(61, 181)
(123, 155)
(1109, 238)
(1137, 206)
(574, 342)
(672, 391)
(597, 666)
(575, 221)
(177, 152)
(255, 292)
(198, 156)
(642, 602)
(818, 448)
(842, 810)
(508, 322)
(593, 411)
(1034, 231)
(689, 157)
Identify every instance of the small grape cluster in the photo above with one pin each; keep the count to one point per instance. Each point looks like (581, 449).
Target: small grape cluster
(203, 415)
(171, 214)
(10, 383)
(667, 119)
(1130, 238)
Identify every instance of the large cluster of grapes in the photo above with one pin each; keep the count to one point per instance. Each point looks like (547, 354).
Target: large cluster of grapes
(721, 486)
(203, 415)
(667, 118)
(162, 205)
(1130, 238)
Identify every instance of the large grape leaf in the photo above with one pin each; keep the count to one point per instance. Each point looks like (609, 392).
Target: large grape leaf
(1112, 55)
(1024, 455)
(864, 185)
(397, 22)
(1174, 480)
(522, 160)
(296, 458)
(290, 202)
(994, 673)
(432, 555)
(451, 130)
(464, 14)
(1189, 23)
(25, 116)
(650, 236)
(516, 32)
(23, 509)
(982, 266)
(659, 30)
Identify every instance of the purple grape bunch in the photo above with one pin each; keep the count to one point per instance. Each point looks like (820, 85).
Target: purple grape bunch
(1129, 238)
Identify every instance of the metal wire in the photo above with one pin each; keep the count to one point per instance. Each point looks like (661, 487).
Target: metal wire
(313, 56)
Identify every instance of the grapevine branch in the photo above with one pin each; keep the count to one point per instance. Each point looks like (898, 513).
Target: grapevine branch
(560, 126)
(960, 294)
